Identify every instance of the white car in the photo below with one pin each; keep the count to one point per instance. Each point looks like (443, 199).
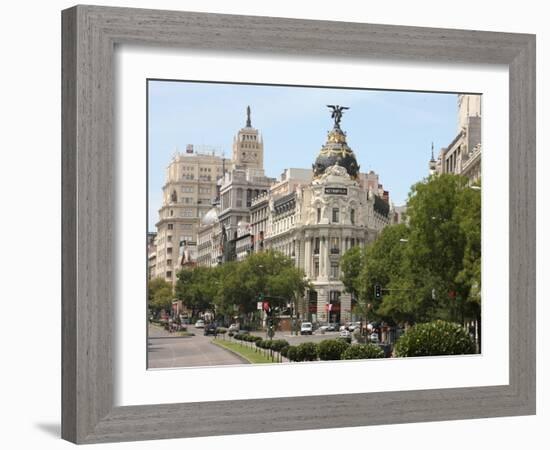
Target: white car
(199, 324)
(373, 338)
(233, 328)
(306, 328)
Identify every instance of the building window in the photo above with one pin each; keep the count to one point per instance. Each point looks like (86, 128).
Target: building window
(318, 215)
(168, 262)
(169, 250)
(316, 269)
(316, 247)
(169, 274)
(169, 238)
(334, 271)
(352, 216)
(239, 195)
(335, 215)
(170, 226)
(335, 245)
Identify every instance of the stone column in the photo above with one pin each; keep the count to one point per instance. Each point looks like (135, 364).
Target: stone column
(307, 257)
(323, 257)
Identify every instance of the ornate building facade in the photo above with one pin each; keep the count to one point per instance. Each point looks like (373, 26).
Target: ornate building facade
(312, 216)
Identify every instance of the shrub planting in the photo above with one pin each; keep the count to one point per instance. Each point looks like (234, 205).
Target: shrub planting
(434, 339)
(307, 351)
(362, 351)
(331, 349)
(278, 344)
(292, 353)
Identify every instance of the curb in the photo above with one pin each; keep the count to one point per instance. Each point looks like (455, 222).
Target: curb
(238, 355)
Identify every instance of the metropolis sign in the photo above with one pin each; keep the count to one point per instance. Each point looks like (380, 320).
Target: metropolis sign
(336, 191)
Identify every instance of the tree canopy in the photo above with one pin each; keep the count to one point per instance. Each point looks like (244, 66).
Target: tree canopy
(159, 295)
(234, 287)
(429, 267)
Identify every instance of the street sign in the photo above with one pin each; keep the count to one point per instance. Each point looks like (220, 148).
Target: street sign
(259, 305)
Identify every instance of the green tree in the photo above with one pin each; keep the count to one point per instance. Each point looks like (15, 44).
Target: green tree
(468, 280)
(428, 268)
(351, 265)
(269, 273)
(197, 288)
(437, 243)
(159, 295)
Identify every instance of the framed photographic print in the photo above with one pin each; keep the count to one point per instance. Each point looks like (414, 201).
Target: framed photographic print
(258, 218)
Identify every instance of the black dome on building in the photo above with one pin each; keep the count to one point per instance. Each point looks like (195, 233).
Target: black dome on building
(336, 152)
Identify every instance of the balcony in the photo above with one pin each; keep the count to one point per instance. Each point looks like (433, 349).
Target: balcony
(315, 251)
(334, 251)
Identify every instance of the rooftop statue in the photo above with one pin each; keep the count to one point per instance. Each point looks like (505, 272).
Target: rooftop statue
(337, 112)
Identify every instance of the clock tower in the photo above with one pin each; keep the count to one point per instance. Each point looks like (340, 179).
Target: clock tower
(248, 146)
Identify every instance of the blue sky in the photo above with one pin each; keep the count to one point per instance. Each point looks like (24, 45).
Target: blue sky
(390, 131)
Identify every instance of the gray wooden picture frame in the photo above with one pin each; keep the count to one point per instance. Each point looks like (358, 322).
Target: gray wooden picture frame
(90, 34)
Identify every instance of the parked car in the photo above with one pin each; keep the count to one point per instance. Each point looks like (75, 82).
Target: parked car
(373, 338)
(345, 333)
(306, 328)
(322, 328)
(199, 323)
(332, 327)
(233, 328)
(211, 329)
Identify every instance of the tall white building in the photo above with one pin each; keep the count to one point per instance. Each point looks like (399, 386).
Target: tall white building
(188, 193)
(463, 155)
(245, 180)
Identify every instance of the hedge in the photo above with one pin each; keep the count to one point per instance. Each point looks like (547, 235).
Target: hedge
(434, 339)
(331, 349)
(278, 344)
(307, 351)
(363, 351)
(292, 353)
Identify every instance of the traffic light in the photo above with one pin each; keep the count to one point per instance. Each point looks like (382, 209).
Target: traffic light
(377, 291)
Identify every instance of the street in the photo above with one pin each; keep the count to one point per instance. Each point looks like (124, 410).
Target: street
(164, 350)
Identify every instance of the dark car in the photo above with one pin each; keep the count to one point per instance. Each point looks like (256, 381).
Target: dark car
(211, 329)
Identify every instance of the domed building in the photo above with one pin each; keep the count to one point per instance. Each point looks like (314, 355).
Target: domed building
(318, 222)
(312, 219)
(336, 151)
(209, 240)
